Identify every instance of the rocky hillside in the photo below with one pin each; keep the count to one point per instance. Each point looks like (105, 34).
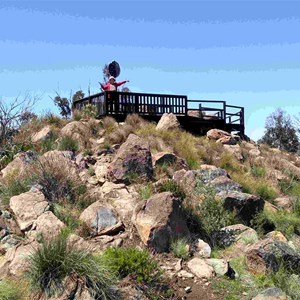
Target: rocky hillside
(95, 209)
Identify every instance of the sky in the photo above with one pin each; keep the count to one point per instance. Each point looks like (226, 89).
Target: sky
(244, 52)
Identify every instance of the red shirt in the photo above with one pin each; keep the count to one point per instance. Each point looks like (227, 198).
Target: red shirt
(106, 87)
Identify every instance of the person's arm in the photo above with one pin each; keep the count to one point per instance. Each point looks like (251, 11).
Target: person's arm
(104, 86)
(121, 82)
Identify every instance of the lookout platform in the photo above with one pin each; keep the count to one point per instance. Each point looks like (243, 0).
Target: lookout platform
(197, 116)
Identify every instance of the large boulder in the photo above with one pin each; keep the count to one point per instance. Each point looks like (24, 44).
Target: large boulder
(167, 122)
(168, 159)
(266, 255)
(133, 160)
(27, 207)
(101, 219)
(200, 268)
(15, 260)
(159, 220)
(246, 205)
(47, 226)
(19, 164)
(216, 134)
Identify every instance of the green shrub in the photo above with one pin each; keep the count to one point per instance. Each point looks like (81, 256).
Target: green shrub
(211, 214)
(49, 143)
(13, 187)
(180, 248)
(174, 188)
(258, 171)
(67, 143)
(134, 263)
(55, 260)
(66, 216)
(89, 111)
(91, 171)
(265, 191)
(145, 192)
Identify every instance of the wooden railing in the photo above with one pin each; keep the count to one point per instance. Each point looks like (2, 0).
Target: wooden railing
(113, 103)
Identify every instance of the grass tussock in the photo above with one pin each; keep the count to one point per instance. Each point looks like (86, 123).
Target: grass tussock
(180, 248)
(55, 260)
(11, 289)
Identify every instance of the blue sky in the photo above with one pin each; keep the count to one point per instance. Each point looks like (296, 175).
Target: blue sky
(244, 52)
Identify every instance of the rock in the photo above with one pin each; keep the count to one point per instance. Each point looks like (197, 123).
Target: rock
(185, 274)
(272, 293)
(285, 203)
(237, 237)
(160, 220)
(227, 140)
(220, 266)
(202, 250)
(266, 255)
(235, 150)
(9, 225)
(27, 207)
(200, 268)
(225, 184)
(47, 225)
(167, 159)
(101, 171)
(19, 164)
(167, 122)
(15, 259)
(120, 198)
(42, 135)
(270, 207)
(102, 219)
(216, 134)
(276, 236)
(133, 160)
(246, 205)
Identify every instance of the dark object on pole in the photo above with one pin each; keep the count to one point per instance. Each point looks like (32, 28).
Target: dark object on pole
(114, 69)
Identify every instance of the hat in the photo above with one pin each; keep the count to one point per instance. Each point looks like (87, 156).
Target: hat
(112, 77)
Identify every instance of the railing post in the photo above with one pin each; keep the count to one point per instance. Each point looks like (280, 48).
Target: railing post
(224, 111)
(186, 106)
(136, 103)
(105, 103)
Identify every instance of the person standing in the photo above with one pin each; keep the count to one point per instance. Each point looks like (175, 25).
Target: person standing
(112, 86)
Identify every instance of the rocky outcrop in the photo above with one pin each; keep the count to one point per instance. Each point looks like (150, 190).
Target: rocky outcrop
(223, 137)
(133, 160)
(167, 122)
(27, 207)
(160, 220)
(272, 293)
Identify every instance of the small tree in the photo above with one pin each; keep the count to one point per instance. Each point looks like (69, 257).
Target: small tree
(280, 132)
(78, 95)
(64, 104)
(12, 115)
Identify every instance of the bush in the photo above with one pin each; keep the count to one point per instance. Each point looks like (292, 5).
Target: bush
(67, 215)
(180, 248)
(134, 263)
(145, 192)
(55, 260)
(67, 143)
(258, 171)
(13, 187)
(210, 213)
(174, 188)
(265, 191)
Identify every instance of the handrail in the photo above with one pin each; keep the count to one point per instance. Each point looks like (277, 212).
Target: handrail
(110, 103)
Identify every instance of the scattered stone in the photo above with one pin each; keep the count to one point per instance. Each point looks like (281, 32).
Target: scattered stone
(220, 266)
(188, 289)
(227, 140)
(200, 268)
(42, 135)
(167, 122)
(285, 203)
(159, 220)
(276, 236)
(203, 250)
(178, 266)
(272, 293)
(235, 150)
(185, 274)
